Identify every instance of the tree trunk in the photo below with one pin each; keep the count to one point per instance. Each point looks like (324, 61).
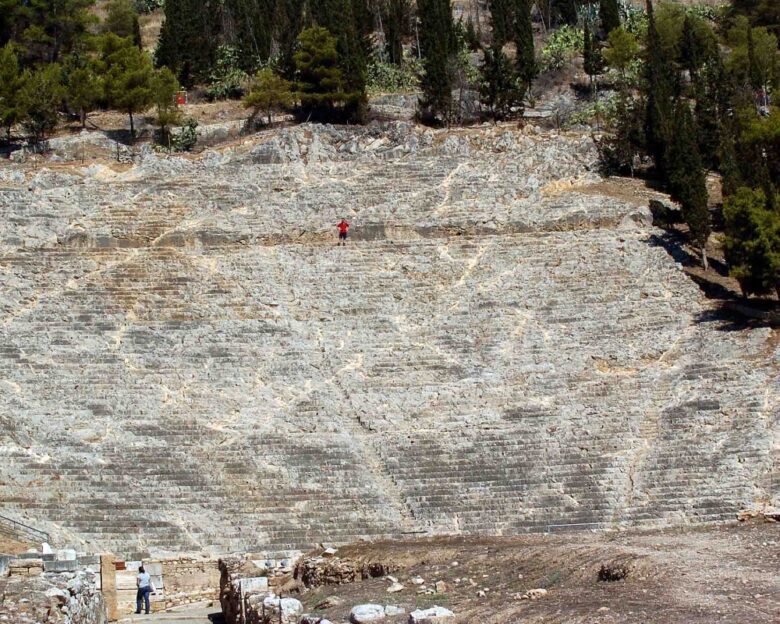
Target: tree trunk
(704, 262)
(83, 119)
(132, 127)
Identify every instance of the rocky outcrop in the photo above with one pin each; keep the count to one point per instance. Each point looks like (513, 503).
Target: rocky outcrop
(500, 348)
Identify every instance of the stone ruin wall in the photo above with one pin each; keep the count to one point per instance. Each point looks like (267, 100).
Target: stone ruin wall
(187, 361)
(32, 596)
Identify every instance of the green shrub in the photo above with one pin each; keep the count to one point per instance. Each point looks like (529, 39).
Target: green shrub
(562, 46)
(386, 77)
(187, 137)
(634, 18)
(227, 79)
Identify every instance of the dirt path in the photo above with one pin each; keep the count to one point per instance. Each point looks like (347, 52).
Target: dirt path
(191, 614)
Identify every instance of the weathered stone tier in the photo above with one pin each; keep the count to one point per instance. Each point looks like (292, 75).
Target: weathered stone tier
(187, 360)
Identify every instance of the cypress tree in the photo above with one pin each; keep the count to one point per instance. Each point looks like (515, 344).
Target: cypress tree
(731, 175)
(502, 21)
(289, 19)
(499, 90)
(250, 29)
(396, 15)
(659, 94)
(691, 49)
(592, 60)
(567, 10)
(524, 43)
(439, 49)
(609, 13)
(686, 177)
(186, 44)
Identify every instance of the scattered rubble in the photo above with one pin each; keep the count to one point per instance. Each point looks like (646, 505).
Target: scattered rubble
(67, 598)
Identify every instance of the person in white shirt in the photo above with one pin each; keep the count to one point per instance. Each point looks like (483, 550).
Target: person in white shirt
(144, 584)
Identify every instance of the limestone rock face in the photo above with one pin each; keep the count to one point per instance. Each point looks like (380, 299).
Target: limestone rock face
(188, 361)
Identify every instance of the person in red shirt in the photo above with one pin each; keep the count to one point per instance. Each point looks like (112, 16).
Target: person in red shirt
(343, 229)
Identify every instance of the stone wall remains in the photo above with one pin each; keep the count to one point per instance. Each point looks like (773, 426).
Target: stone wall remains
(52, 598)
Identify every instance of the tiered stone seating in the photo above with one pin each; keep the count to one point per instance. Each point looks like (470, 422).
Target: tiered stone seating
(193, 363)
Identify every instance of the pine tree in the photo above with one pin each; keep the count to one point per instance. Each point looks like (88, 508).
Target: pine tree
(129, 77)
(347, 21)
(502, 20)
(122, 20)
(687, 181)
(658, 91)
(83, 87)
(268, 93)
(51, 30)
(731, 175)
(710, 89)
(609, 14)
(319, 80)
(41, 99)
(525, 60)
(11, 82)
(752, 242)
(439, 49)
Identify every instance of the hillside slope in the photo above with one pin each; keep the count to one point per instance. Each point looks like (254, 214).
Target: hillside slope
(188, 361)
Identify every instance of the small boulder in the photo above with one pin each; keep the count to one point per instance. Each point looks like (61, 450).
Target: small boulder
(395, 587)
(330, 601)
(290, 608)
(534, 594)
(430, 616)
(366, 613)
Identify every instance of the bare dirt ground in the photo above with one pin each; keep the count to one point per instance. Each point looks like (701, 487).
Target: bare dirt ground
(703, 575)
(12, 546)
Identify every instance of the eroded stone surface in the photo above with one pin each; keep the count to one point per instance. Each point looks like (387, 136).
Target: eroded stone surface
(189, 361)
